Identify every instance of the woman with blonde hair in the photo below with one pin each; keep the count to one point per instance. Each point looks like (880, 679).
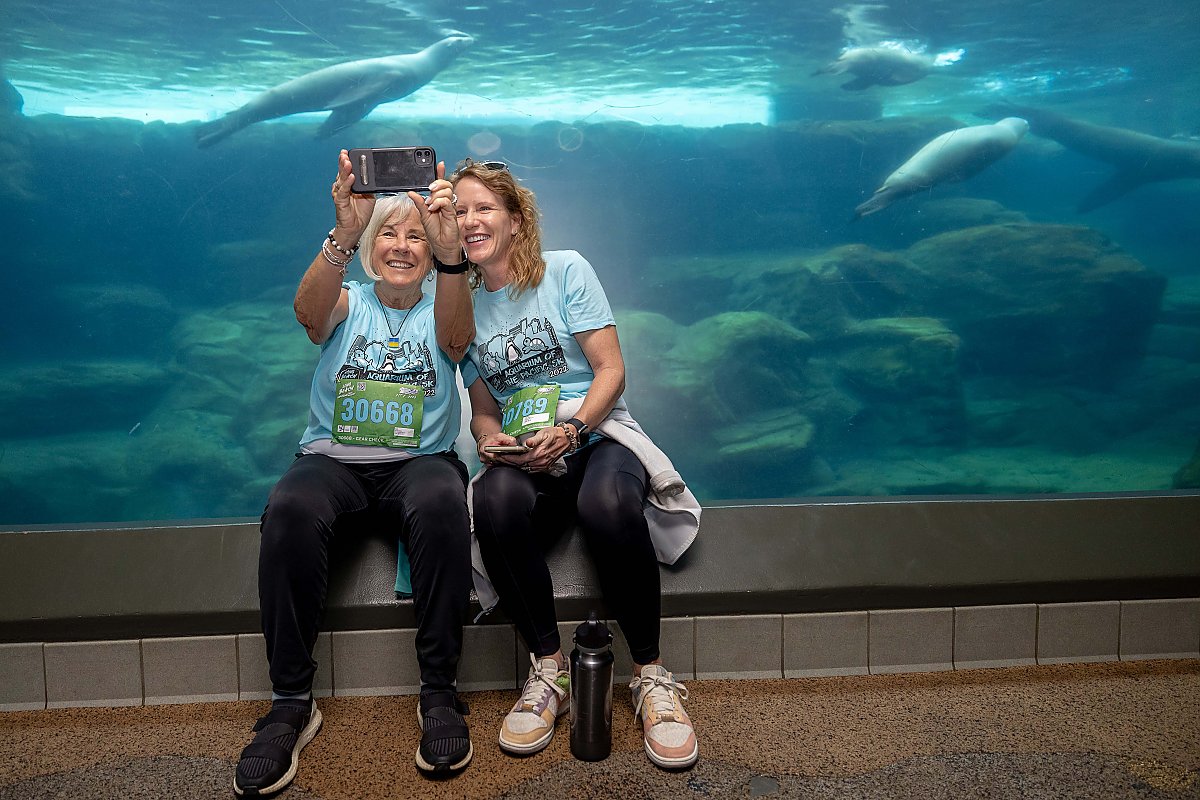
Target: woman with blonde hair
(545, 377)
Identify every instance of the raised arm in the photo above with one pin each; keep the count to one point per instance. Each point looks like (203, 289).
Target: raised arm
(452, 310)
(321, 303)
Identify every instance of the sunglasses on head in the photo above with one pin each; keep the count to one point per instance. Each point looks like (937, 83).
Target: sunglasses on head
(470, 162)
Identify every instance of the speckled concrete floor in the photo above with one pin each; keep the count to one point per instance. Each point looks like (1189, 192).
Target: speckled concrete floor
(1101, 730)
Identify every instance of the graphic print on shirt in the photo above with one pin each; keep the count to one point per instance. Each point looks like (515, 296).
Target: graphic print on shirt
(390, 361)
(525, 354)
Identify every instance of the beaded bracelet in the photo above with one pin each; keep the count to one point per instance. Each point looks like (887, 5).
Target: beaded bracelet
(348, 253)
(572, 436)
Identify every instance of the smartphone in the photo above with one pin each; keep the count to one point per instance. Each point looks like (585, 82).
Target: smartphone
(393, 169)
(505, 448)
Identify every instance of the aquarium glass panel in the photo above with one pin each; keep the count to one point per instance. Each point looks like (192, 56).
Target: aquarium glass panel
(877, 249)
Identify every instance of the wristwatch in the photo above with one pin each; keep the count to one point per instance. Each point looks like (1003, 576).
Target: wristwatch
(581, 430)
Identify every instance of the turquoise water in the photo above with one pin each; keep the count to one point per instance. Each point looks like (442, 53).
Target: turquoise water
(976, 337)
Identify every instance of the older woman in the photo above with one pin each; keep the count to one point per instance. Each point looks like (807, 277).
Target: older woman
(383, 415)
(546, 350)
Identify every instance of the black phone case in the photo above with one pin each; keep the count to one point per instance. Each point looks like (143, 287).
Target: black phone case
(392, 169)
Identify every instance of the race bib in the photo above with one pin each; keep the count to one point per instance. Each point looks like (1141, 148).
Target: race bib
(377, 413)
(530, 409)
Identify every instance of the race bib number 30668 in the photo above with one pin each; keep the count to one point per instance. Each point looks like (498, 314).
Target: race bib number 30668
(377, 413)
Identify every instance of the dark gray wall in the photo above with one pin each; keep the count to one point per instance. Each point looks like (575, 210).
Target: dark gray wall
(77, 584)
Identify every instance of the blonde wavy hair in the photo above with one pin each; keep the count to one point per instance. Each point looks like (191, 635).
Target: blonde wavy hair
(526, 267)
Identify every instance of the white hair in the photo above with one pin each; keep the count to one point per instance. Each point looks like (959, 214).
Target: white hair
(395, 206)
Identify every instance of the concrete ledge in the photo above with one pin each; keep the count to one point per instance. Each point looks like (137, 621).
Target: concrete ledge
(383, 662)
(72, 584)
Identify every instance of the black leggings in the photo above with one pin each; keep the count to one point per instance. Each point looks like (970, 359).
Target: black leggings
(423, 499)
(518, 515)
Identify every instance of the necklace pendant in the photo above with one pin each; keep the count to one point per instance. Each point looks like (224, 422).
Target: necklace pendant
(393, 343)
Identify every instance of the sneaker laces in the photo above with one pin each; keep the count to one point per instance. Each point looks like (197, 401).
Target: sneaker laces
(659, 689)
(540, 678)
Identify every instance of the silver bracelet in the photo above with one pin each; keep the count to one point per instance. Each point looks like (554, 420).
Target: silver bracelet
(337, 263)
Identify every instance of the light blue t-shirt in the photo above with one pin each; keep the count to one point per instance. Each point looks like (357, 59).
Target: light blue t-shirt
(530, 341)
(359, 348)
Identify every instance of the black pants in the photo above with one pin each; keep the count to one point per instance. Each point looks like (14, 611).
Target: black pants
(517, 516)
(423, 499)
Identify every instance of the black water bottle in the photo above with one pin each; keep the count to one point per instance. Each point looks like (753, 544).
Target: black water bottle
(591, 691)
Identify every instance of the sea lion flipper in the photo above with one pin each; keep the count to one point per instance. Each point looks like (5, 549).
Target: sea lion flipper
(884, 196)
(343, 117)
(213, 131)
(1119, 184)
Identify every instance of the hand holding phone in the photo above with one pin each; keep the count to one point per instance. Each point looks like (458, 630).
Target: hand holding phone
(393, 169)
(498, 449)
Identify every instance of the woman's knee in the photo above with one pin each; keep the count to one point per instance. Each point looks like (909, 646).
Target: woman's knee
(293, 519)
(616, 496)
(502, 488)
(439, 493)
(502, 501)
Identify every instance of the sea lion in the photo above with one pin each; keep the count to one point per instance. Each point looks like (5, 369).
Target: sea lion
(953, 156)
(879, 66)
(1138, 157)
(350, 90)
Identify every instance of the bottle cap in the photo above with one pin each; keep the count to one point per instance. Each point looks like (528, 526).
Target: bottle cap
(593, 634)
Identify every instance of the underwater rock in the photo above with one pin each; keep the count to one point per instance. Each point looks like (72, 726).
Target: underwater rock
(122, 319)
(768, 453)
(865, 283)
(1014, 411)
(645, 337)
(953, 213)
(1047, 300)
(1177, 334)
(820, 294)
(190, 463)
(79, 476)
(906, 370)
(744, 351)
(1188, 476)
(1181, 302)
(74, 396)
(699, 389)
(253, 362)
(905, 355)
(669, 286)
(203, 437)
(1175, 341)
(772, 437)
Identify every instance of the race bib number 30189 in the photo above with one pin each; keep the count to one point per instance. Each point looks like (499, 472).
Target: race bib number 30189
(377, 413)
